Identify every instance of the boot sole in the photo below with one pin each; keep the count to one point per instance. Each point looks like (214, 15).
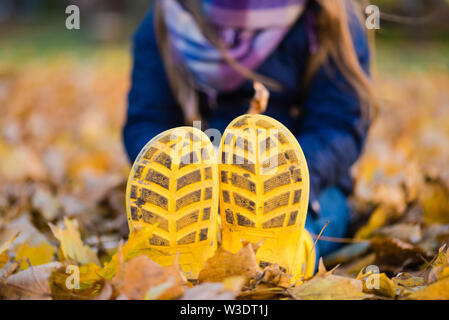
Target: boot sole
(174, 183)
(264, 191)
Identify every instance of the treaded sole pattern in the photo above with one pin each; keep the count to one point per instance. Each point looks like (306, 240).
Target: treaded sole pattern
(264, 189)
(173, 184)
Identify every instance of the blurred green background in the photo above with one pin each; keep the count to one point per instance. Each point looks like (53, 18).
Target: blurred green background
(413, 34)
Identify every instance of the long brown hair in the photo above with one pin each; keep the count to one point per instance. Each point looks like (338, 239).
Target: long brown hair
(334, 38)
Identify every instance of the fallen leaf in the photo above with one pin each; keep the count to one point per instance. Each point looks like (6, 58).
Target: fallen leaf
(27, 232)
(30, 284)
(5, 246)
(407, 283)
(8, 269)
(327, 286)
(208, 291)
(385, 288)
(436, 291)
(225, 264)
(410, 233)
(34, 255)
(106, 293)
(140, 274)
(444, 273)
(71, 247)
(234, 284)
(377, 219)
(440, 267)
(273, 276)
(136, 245)
(63, 286)
(269, 284)
(391, 252)
(435, 201)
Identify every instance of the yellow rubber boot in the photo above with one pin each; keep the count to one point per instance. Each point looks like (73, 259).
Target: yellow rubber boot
(264, 191)
(174, 183)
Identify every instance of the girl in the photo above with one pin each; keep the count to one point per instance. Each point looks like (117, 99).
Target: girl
(196, 60)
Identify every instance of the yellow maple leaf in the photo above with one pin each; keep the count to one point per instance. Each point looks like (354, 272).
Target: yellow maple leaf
(378, 219)
(35, 255)
(137, 244)
(71, 248)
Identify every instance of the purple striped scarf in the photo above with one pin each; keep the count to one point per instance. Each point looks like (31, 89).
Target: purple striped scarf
(249, 29)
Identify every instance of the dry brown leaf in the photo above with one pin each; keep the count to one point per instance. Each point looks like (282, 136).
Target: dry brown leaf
(407, 283)
(30, 284)
(270, 284)
(273, 276)
(225, 264)
(327, 286)
(28, 232)
(394, 252)
(8, 269)
(140, 274)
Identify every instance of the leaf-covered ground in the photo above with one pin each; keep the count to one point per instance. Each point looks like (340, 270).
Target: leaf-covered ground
(63, 173)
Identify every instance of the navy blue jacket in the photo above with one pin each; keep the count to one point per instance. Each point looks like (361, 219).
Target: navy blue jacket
(326, 119)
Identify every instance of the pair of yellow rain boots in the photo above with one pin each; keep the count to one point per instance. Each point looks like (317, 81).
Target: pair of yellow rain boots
(260, 184)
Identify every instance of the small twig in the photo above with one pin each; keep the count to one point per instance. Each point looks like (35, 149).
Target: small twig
(339, 240)
(310, 253)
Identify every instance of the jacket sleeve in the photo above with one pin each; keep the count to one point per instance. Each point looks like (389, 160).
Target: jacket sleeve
(332, 130)
(151, 105)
